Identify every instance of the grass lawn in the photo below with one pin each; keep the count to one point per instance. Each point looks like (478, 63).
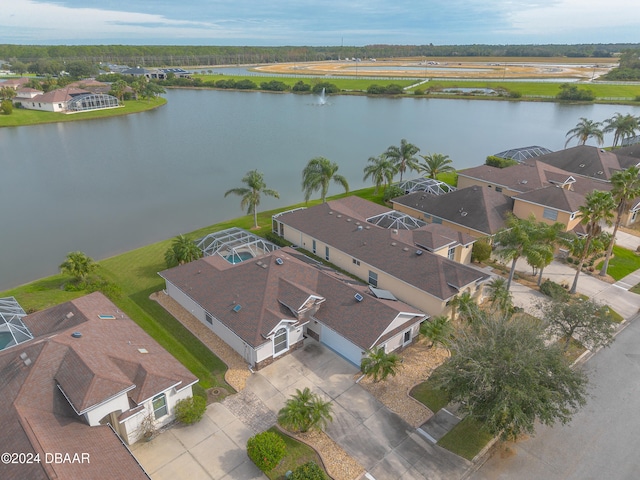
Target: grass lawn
(466, 439)
(622, 263)
(21, 116)
(635, 289)
(433, 398)
(573, 351)
(298, 454)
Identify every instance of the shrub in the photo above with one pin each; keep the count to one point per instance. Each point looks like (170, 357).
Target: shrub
(553, 290)
(275, 86)
(573, 93)
(328, 88)
(7, 107)
(190, 410)
(308, 471)
(266, 450)
(301, 87)
(498, 162)
(515, 94)
(569, 259)
(481, 251)
(418, 91)
(274, 238)
(392, 192)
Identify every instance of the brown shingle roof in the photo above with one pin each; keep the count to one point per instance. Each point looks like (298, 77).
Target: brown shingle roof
(434, 237)
(584, 160)
(554, 197)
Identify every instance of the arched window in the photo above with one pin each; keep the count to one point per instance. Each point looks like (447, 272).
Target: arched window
(280, 341)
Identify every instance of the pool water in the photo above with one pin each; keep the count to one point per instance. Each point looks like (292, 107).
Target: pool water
(238, 257)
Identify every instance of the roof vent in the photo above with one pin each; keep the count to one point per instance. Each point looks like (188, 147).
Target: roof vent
(339, 216)
(143, 350)
(393, 244)
(358, 297)
(330, 213)
(582, 165)
(76, 334)
(395, 230)
(600, 172)
(368, 227)
(464, 214)
(264, 265)
(524, 182)
(405, 249)
(418, 252)
(348, 219)
(69, 315)
(279, 261)
(359, 227)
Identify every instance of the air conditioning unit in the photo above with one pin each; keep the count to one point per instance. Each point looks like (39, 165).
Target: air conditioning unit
(358, 297)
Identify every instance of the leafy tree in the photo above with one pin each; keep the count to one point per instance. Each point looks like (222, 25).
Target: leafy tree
(573, 93)
(379, 364)
(79, 69)
(118, 88)
(622, 126)
(317, 175)
(499, 162)
(481, 250)
(79, 265)
(138, 86)
(266, 450)
(304, 411)
(584, 130)
(182, 250)
(6, 106)
(190, 410)
(328, 87)
(438, 329)
(381, 170)
(505, 376)
(152, 90)
(435, 164)
(403, 157)
(499, 296)
(598, 208)
(308, 471)
(255, 187)
(589, 321)
(7, 93)
(300, 86)
(392, 192)
(626, 187)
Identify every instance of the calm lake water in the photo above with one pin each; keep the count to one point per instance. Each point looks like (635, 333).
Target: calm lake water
(111, 185)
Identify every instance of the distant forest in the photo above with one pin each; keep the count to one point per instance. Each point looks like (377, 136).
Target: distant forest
(171, 55)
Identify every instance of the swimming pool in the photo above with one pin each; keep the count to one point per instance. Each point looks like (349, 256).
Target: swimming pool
(238, 257)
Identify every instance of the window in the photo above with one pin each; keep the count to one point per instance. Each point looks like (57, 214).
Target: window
(159, 406)
(355, 261)
(498, 189)
(280, 341)
(208, 318)
(633, 217)
(373, 279)
(550, 214)
(437, 220)
(406, 338)
(313, 246)
(451, 253)
(326, 253)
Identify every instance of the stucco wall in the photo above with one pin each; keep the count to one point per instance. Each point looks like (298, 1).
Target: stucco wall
(121, 403)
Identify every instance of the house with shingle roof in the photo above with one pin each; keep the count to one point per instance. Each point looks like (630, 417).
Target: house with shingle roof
(83, 384)
(588, 161)
(550, 205)
(264, 307)
(474, 210)
(387, 258)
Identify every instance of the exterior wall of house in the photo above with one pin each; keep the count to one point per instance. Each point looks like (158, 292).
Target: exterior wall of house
(429, 219)
(464, 182)
(396, 342)
(402, 290)
(629, 218)
(525, 209)
(462, 254)
(45, 107)
(119, 403)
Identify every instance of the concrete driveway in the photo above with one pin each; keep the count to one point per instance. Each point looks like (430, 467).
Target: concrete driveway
(380, 440)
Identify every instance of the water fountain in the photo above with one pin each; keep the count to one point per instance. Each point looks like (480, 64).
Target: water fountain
(323, 98)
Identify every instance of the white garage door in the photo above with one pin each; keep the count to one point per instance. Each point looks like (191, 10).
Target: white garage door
(341, 345)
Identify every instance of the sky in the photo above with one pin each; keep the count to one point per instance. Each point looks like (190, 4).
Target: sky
(318, 23)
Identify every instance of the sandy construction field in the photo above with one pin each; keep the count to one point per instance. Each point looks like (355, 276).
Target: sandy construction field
(494, 68)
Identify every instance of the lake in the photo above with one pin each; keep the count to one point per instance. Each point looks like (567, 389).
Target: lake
(110, 185)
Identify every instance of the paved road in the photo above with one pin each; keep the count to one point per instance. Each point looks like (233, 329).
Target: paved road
(601, 441)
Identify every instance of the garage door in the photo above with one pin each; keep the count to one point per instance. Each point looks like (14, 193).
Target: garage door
(341, 345)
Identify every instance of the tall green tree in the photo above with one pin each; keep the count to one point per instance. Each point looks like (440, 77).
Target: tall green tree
(317, 176)
(251, 194)
(598, 208)
(7, 93)
(435, 164)
(79, 265)
(622, 126)
(182, 250)
(403, 156)
(504, 375)
(587, 320)
(499, 296)
(546, 239)
(438, 329)
(466, 306)
(626, 187)
(379, 364)
(305, 411)
(584, 130)
(380, 170)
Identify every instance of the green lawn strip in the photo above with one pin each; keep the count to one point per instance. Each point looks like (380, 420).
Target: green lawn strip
(23, 117)
(574, 350)
(434, 399)
(298, 453)
(622, 263)
(635, 289)
(41, 294)
(450, 178)
(466, 439)
(615, 316)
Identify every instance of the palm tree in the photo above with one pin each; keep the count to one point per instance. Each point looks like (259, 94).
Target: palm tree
(255, 186)
(79, 265)
(182, 250)
(626, 187)
(540, 255)
(435, 164)
(467, 307)
(380, 364)
(403, 157)
(318, 174)
(584, 130)
(499, 295)
(513, 242)
(598, 208)
(304, 411)
(380, 170)
(622, 126)
(437, 329)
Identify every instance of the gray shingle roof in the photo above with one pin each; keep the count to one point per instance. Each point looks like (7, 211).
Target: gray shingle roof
(554, 197)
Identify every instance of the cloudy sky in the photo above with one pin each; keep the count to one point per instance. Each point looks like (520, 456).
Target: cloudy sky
(318, 22)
